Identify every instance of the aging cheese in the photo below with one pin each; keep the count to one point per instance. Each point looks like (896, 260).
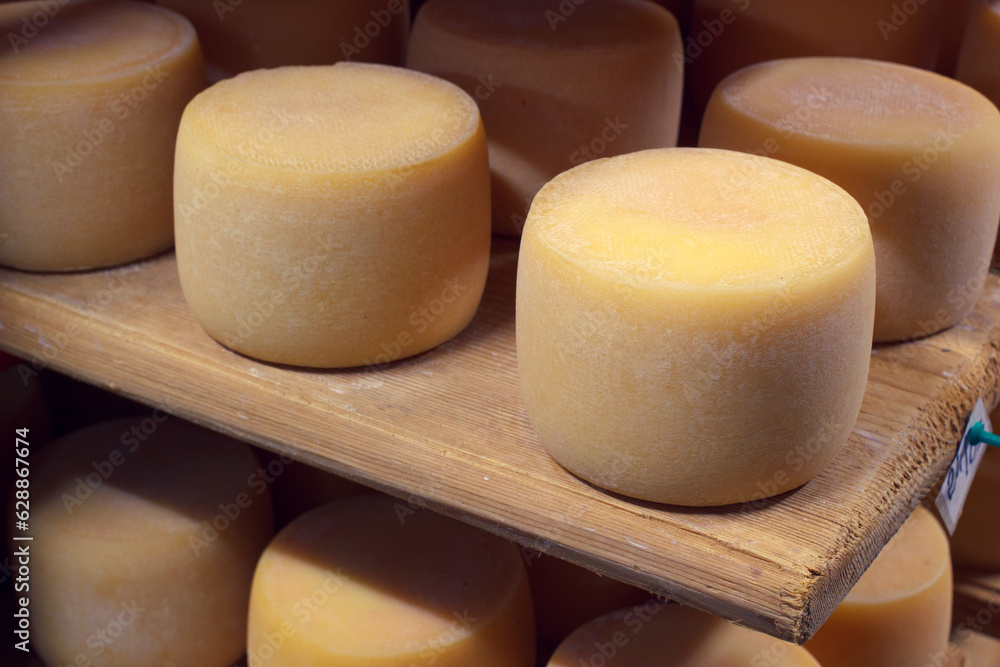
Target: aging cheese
(371, 581)
(557, 86)
(899, 612)
(672, 636)
(243, 35)
(919, 151)
(694, 326)
(332, 216)
(566, 595)
(151, 529)
(90, 99)
(728, 35)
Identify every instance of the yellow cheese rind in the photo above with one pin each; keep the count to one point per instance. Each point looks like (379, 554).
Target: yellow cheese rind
(899, 612)
(685, 315)
(152, 529)
(332, 216)
(556, 86)
(919, 151)
(91, 106)
(728, 35)
(668, 635)
(370, 580)
(245, 35)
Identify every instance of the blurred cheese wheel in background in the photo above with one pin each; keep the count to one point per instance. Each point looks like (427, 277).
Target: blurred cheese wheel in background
(954, 17)
(243, 35)
(920, 152)
(728, 35)
(368, 580)
(556, 86)
(682, 296)
(899, 612)
(673, 636)
(566, 595)
(91, 105)
(980, 650)
(151, 530)
(332, 216)
(979, 60)
(976, 541)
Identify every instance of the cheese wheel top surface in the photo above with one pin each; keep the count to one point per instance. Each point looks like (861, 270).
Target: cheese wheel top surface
(343, 118)
(534, 25)
(914, 559)
(90, 41)
(852, 100)
(139, 479)
(699, 219)
(411, 575)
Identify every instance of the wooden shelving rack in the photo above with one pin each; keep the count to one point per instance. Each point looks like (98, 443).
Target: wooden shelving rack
(447, 430)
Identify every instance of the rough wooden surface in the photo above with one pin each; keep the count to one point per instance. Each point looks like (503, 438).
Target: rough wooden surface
(977, 601)
(447, 430)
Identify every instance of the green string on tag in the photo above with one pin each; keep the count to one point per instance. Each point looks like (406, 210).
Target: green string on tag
(978, 434)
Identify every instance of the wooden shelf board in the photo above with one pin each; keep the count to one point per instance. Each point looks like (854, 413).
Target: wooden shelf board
(447, 430)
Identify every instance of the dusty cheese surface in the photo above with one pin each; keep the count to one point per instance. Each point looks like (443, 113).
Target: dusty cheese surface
(673, 636)
(140, 549)
(684, 314)
(899, 612)
(351, 583)
(556, 86)
(89, 109)
(920, 152)
(352, 201)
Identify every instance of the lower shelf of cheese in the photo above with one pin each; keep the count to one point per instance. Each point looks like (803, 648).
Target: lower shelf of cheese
(447, 429)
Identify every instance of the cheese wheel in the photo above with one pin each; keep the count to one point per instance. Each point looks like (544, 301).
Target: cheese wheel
(243, 35)
(919, 151)
(370, 581)
(672, 636)
(92, 97)
(694, 326)
(728, 35)
(976, 541)
(980, 53)
(899, 612)
(566, 595)
(146, 532)
(557, 86)
(332, 216)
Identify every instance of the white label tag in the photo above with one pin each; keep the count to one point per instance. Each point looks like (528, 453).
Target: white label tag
(955, 489)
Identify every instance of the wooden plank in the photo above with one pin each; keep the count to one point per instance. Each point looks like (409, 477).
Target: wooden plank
(447, 430)
(977, 601)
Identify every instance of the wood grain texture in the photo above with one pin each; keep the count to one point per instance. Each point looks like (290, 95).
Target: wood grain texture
(447, 430)
(977, 601)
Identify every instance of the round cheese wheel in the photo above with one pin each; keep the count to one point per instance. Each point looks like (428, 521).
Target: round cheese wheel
(243, 35)
(728, 35)
(899, 612)
(146, 532)
(672, 636)
(368, 580)
(332, 216)
(919, 151)
(556, 86)
(566, 595)
(694, 326)
(92, 96)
